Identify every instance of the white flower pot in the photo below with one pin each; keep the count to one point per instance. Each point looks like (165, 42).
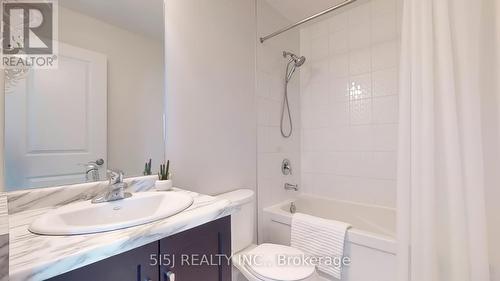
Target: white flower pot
(163, 185)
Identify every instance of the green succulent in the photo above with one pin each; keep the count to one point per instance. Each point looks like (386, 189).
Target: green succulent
(164, 173)
(147, 168)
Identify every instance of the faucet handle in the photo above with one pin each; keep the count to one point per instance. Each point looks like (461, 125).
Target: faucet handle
(286, 167)
(115, 176)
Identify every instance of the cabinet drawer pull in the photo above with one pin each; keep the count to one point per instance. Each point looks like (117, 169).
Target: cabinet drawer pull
(169, 276)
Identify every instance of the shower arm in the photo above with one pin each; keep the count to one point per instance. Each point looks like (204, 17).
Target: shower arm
(347, 2)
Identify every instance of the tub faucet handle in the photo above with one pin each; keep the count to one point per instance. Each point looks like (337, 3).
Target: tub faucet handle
(286, 167)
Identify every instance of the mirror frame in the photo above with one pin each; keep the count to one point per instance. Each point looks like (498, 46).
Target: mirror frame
(3, 188)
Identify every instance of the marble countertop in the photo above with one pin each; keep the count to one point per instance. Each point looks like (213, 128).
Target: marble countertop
(4, 215)
(35, 257)
(4, 238)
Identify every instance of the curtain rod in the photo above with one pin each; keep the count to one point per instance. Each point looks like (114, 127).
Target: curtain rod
(347, 2)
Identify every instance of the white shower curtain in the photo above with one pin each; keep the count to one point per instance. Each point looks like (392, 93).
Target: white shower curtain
(442, 225)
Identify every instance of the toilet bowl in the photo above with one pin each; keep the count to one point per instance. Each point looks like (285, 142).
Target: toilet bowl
(261, 263)
(265, 262)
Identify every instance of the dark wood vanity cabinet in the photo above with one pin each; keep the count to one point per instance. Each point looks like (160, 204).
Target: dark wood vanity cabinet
(133, 265)
(198, 254)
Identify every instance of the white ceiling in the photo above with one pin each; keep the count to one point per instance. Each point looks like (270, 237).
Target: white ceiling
(296, 10)
(140, 16)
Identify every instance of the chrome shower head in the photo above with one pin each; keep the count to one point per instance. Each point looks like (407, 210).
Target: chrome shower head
(298, 61)
(294, 63)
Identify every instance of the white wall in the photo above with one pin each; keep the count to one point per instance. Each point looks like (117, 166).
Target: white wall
(2, 131)
(272, 147)
(491, 133)
(349, 103)
(135, 88)
(211, 127)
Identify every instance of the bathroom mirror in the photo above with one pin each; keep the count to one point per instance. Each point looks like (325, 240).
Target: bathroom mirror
(101, 108)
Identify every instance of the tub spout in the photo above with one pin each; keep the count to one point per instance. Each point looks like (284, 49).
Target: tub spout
(289, 186)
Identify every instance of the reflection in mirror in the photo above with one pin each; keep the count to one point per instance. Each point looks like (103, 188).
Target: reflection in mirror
(102, 108)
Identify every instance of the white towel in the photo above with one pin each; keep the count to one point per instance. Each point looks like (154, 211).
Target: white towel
(320, 238)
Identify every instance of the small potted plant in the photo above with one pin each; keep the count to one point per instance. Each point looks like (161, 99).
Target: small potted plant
(164, 181)
(147, 168)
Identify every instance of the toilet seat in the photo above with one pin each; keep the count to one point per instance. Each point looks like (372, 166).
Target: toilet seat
(262, 262)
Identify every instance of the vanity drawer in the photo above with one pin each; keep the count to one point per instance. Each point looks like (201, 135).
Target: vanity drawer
(134, 265)
(165, 260)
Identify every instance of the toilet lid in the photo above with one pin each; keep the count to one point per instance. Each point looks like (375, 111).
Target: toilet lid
(271, 262)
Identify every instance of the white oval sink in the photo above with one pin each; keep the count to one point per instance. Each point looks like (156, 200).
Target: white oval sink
(85, 217)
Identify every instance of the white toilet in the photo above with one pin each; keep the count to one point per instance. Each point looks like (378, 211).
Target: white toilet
(259, 262)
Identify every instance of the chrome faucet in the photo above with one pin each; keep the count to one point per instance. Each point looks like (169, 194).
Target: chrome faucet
(115, 189)
(92, 170)
(289, 186)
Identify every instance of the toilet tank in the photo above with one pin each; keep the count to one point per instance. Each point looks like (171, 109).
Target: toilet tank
(242, 221)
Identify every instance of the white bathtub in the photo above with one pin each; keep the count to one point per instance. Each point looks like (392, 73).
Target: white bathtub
(370, 243)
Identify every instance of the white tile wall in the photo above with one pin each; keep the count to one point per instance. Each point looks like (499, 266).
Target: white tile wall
(272, 148)
(349, 103)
